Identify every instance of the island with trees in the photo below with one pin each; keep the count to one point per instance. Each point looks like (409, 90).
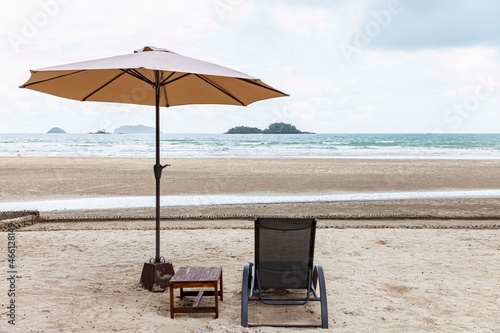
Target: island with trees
(275, 128)
(103, 131)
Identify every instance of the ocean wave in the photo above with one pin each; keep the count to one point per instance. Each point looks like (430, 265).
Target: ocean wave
(251, 143)
(201, 200)
(219, 145)
(333, 143)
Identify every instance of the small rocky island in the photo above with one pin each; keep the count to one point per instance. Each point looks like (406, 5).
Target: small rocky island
(275, 128)
(56, 130)
(103, 131)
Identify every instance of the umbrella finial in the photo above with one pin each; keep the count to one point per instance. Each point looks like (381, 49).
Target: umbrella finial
(152, 48)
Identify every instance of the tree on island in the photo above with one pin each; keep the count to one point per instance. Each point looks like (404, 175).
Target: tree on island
(275, 128)
(281, 128)
(103, 131)
(244, 130)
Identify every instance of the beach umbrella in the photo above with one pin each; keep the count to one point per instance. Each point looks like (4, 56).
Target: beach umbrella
(157, 77)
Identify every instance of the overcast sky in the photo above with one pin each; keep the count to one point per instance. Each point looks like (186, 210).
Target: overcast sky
(349, 66)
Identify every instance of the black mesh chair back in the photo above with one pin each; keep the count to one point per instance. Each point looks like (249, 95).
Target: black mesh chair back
(284, 252)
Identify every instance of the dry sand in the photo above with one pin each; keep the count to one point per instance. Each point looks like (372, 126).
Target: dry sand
(83, 276)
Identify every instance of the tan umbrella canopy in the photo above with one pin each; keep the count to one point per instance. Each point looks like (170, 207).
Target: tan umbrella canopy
(133, 79)
(151, 76)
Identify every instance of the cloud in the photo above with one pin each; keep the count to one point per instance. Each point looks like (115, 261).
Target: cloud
(360, 113)
(304, 21)
(414, 65)
(430, 24)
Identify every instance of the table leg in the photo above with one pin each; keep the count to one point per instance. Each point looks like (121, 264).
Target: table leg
(171, 300)
(221, 288)
(216, 300)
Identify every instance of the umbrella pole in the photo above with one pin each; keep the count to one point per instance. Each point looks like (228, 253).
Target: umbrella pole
(157, 274)
(157, 168)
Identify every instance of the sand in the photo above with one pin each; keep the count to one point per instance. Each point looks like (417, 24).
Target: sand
(436, 273)
(25, 178)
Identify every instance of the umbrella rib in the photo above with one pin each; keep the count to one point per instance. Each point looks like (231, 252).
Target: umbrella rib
(164, 82)
(135, 73)
(166, 97)
(52, 78)
(104, 85)
(227, 93)
(264, 86)
(162, 85)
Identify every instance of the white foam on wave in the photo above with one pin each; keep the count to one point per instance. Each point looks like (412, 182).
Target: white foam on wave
(206, 200)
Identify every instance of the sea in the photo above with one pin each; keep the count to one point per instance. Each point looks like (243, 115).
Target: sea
(431, 146)
(379, 146)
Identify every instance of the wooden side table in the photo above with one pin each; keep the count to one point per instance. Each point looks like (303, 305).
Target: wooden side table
(196, 277)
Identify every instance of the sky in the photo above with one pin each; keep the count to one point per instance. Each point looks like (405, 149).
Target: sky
(378, 66)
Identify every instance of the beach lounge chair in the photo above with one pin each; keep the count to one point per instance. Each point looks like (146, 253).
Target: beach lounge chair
(284, 253)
